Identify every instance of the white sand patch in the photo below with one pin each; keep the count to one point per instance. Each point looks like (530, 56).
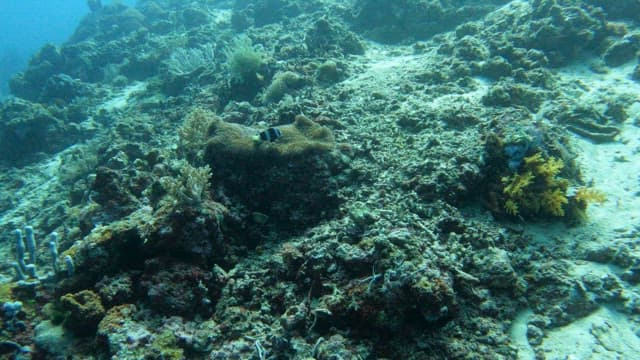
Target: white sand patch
(605, 334)
(220, 16)
(613, 168)
(122, 98)
(386, 67)
(582, 268)
(518, 335)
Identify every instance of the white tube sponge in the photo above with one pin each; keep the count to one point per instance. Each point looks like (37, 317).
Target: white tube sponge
(71, 268)
(20, 250)
(31, 244)
(53, 247)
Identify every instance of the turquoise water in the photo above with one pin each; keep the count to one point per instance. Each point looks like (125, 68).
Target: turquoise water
(27, 25)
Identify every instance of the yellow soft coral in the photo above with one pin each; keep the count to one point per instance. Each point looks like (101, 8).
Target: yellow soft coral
(537, 190)
(586, 195)
(511, 207)
(550, 168)
(516, 184)
(553, 201)
(546, 168)
(533, 160)
(581, 199)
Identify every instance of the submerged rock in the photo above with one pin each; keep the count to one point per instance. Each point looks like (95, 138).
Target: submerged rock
(28, 128)
(291, 180)
(83, 311)
(391, 21)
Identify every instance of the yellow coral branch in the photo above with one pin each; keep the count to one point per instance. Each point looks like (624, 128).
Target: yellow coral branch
(511, 207)
(516, 184)
(553, 201)
(586, 195)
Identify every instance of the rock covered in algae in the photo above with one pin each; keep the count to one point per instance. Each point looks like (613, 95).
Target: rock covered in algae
(84, 310)
(234, 143)
(291, 179)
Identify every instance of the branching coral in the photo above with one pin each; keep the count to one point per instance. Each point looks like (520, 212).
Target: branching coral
(192, 135)
(586, 195)
(511, 208)
(191, 187)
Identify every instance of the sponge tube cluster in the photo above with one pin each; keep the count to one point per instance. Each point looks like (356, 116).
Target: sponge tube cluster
(26, 270)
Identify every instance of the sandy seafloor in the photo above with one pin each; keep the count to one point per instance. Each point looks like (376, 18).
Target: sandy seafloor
(413, 259)
(606, 333)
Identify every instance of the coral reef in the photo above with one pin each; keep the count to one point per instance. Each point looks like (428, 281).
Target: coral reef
(263, 12)
(393, 21)
(28, 128)
(282, 84)
(269, 179)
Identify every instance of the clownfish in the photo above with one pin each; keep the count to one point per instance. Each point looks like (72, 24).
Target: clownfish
(271, 134)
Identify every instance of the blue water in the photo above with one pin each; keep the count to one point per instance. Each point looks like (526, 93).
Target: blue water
(25, 25)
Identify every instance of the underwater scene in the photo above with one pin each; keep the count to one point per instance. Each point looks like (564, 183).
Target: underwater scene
(325, 179)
